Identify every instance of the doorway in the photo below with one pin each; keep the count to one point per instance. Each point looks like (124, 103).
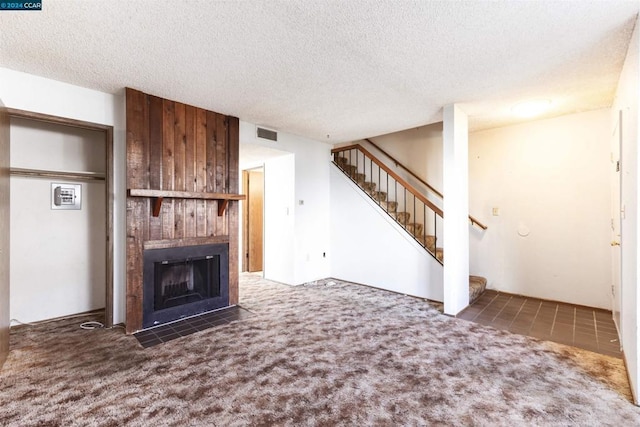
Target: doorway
(253, 220)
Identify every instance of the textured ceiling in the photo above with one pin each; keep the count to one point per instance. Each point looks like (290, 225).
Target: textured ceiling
(333, 70)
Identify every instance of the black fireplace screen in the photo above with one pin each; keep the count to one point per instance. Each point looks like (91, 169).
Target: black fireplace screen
(184, 281)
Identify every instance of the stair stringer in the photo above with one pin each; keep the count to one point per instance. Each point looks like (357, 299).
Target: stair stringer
(368, 246)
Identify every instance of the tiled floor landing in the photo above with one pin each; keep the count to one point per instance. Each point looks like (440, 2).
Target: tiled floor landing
(588, 328)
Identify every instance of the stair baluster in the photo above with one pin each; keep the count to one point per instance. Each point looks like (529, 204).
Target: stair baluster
(378, 184)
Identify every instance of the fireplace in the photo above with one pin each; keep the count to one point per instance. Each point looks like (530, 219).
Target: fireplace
(184, 281)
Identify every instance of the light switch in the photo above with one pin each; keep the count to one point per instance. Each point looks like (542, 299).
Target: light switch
(496, 211)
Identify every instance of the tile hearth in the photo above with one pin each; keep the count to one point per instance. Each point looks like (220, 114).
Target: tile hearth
(188, 326)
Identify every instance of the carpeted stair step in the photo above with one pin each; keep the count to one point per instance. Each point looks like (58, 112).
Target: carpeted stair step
(389, 206)
(378, 196)
(402, 217)
(477, 285)
(415, 229)
(351, 170)
(368, 186)
(341, 161)
(359, 178)
(429, 242)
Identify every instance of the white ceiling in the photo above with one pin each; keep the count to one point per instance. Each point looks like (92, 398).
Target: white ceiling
(333, 70)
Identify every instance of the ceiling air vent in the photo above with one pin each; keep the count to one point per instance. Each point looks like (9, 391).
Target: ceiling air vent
(271, 135)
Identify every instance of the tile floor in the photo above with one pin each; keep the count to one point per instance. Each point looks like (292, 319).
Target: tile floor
(182, 328)
(589, 328)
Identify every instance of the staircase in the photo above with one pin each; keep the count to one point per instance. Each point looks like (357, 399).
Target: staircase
(410, 208)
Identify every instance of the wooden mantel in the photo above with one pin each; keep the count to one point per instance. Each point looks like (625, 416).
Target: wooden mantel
(222, 198)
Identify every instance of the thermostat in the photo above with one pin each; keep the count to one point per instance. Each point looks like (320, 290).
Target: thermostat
(66, 196)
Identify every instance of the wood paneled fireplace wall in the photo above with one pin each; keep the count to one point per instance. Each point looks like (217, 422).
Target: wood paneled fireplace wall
(182, 183)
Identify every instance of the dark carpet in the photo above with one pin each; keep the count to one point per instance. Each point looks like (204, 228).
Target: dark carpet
(328, 353)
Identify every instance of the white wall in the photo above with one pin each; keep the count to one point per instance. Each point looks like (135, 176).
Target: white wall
(296, 195)
(57, 256)
(32, 93)
(626, 100)
(369, 247)
(419, 149)
(279, 230)
(550, 181)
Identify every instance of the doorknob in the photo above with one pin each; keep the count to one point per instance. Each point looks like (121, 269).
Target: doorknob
(614, 243)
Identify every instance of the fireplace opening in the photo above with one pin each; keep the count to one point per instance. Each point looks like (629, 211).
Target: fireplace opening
(184, 281)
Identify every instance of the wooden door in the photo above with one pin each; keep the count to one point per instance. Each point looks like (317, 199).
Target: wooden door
(4, 234)
(253, 220)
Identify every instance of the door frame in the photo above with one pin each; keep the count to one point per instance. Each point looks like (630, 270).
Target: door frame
(109, 193)
(245, 217)
(5, 228)
(616, 222)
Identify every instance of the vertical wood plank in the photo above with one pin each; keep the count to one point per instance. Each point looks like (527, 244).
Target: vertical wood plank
(145, 216)
(190, 171)
(179, 148)
(179, 160)
(221, 165)
(137, 175)
(134, 266)
(155, 159)
(233, 173)
(201, 171)
(155, 141)
(211, 206)
(211, 151)
(168, 169)
(234, 155)
(178, 218)
(221, 154)
(201, 150)
(137, 119)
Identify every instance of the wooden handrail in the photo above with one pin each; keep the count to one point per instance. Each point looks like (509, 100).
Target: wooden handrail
(476, 222)
(413, 174)
(395, 176)
(411, 189)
